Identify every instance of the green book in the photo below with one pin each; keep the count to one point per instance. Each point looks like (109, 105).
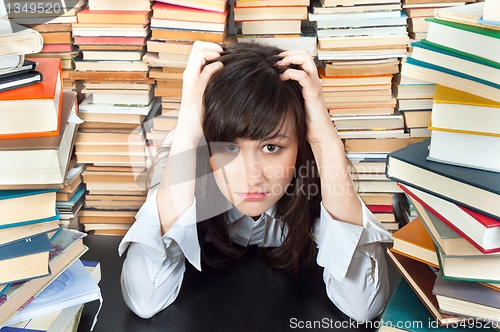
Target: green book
(405, 312)
(463, 38)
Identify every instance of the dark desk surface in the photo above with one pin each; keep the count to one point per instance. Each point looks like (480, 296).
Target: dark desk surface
(249, 296)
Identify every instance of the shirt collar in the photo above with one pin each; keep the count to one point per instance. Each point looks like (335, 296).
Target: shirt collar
(234, 214)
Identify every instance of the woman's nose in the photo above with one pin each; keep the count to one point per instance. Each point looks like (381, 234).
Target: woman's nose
(254, 171)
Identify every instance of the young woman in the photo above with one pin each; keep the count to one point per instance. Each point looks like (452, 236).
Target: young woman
(254, 160)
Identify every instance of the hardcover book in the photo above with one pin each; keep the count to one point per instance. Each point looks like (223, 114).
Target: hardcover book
(481, 231)
(35, 110)
(18, 156)
(412, 240)
(421, 277)
(13, 205)
(25, 259)
(475, 189)
(468, 299)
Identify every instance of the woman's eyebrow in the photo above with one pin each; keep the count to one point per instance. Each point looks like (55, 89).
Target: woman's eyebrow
(279, 136)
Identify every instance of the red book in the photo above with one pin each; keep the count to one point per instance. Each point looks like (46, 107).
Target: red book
(380, 208)
(482, 231)
(53, 48)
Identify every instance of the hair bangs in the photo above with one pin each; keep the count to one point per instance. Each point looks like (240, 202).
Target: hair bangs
(251, 102)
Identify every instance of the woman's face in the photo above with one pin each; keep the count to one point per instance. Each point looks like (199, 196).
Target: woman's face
(253, 175)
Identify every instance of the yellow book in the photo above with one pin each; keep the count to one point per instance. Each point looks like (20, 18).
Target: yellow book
(461, 112)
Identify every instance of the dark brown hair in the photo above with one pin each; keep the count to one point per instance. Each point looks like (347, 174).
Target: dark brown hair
(247, 99)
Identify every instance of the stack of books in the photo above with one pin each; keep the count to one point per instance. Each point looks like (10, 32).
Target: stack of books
(360, 44)
(119, 98)
(452, 179)
(175, 26)
(39, 123)
(364, 29)
(70, 198)
(61, 249)
(279, 23)
(414, 102)
(53, 21)
(14, 70)
(418, 10)
(457, 231)
(459, 52)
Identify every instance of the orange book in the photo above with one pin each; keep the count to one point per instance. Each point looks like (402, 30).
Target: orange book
(34, 110)
(113, 16)
(412, 240)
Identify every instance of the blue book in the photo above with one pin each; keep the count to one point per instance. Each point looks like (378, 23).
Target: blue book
(476, 189)
(24, 207)
(447, 71)
(405, 312)
(25, 259)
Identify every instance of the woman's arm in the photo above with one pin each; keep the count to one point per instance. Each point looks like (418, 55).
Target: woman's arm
(337, 188)
(164, 233)
(175, 197)
(348, 234)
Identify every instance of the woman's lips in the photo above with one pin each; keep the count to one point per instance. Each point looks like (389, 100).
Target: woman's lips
(253, 196)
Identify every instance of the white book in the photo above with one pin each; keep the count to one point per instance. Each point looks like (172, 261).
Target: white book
(73, 287)
(353, 21)
(88, 106)
(362, 31)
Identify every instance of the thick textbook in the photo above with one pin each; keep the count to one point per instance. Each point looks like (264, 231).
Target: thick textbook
(474, 66)
(50, 154)
(16, 39)
(72, 287)
(480, 230)
(412, 240)
(484, 269)
(468, 299)
(34, 110)
(25, 259)
(13, 205)
(449, 241)
(459, 111)
(477, 41)
(475, 189)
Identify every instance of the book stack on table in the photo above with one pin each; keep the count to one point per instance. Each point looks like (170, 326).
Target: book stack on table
(279, 23)
(452, 179)
(175, 26)
(53, 21)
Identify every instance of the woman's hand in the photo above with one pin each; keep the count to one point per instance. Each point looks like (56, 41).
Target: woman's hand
(195, 79)
(319, 124)
(338, 192)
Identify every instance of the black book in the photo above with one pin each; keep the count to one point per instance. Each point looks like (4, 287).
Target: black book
(475, 189)
(19, 79)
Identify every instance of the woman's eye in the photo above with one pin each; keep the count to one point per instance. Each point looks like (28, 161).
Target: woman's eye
(271, 148)
(231, 148)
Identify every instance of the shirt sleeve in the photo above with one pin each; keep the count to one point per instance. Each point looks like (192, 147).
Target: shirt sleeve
(355, 271)
(153, 270)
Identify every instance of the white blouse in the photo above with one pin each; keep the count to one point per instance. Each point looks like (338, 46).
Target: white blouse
(355, 272)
